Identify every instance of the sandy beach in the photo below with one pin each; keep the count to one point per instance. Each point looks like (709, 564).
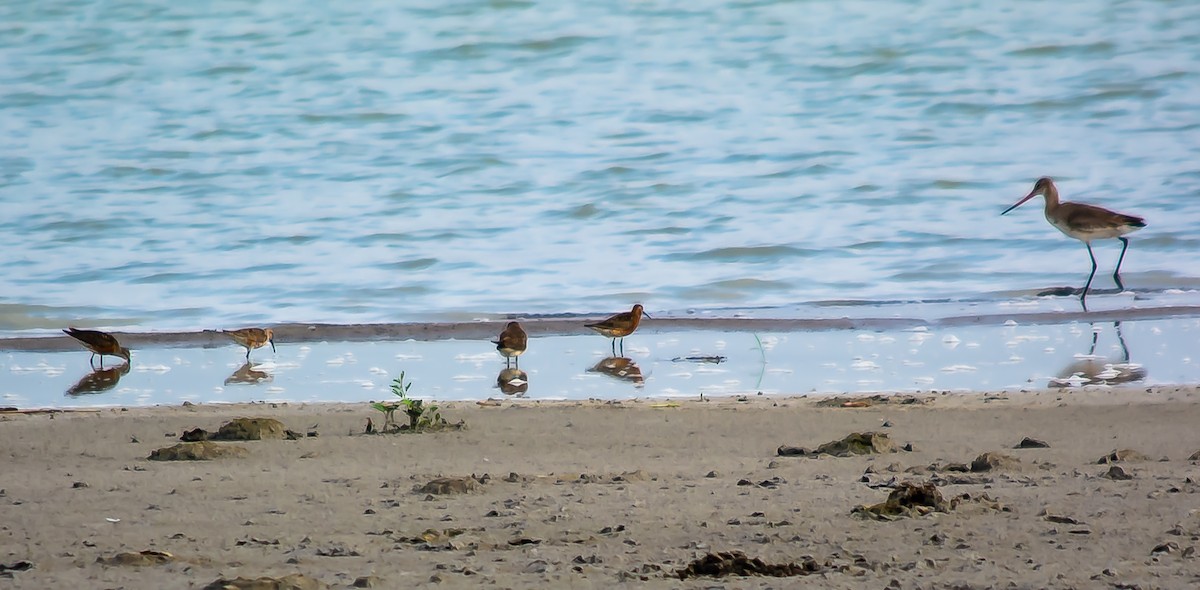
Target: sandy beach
(602, 494)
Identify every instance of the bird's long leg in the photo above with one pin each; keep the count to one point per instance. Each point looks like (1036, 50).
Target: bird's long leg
(1117, 273)
(1121, 339)
(1083, 296)
(614, 346)
(1095, 337)
(92, 361)
(247, 354)
(622, 346)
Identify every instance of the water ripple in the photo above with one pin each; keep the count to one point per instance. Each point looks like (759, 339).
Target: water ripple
(162, 162)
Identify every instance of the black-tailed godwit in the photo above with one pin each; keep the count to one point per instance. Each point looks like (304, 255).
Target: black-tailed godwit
(1085, 223)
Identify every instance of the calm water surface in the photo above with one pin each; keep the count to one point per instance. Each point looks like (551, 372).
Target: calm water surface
(174, 165)
(655, 365)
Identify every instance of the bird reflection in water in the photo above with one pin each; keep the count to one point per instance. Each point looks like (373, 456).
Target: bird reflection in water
(620, 367)
(249, 375)
(513, 381)
(1090, 369)
(99, 380)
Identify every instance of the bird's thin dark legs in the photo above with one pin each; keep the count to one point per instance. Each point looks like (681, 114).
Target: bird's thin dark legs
(1117, 273)
(1086, 286)
(1121, 339)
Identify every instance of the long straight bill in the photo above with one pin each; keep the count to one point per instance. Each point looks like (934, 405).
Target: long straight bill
(1019, 203)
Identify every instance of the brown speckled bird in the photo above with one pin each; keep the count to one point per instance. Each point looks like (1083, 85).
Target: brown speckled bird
(512, 343)
(620, 326)
(100, 343)
(252, 338)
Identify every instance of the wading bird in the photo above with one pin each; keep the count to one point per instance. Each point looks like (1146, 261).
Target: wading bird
(100, 343)
(512, 343)
(252, 338)
(1085, 223)
(620, 326)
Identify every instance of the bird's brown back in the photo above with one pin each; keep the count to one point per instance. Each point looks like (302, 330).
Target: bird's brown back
(248, 337)
(619, 325)
(95, 340)
(512, 338)
(1085, 217)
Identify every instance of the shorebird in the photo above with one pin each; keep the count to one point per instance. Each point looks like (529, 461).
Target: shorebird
(512, 342)
(620, 326)
(100, 343)
(252, 338)
(1085, 223)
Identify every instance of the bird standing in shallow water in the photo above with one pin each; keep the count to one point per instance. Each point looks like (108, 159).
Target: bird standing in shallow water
(100, 343)
(1085, 223)
(512, 342)
(620, 326)
(252, 338)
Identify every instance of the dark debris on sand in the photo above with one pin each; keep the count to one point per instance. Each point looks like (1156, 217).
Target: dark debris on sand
(288, 582)
(736, 563)
(1122, 456)
(244, 429)
(918, 499)
(451, 485)
(6, 569)
(137, 559)
(855, 443)
(197, 451)
(860, 401)
(1032, 443)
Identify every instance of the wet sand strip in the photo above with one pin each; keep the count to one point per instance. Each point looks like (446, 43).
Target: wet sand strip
(560, 326)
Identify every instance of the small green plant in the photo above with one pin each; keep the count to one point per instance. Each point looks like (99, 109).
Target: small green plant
(421, 416)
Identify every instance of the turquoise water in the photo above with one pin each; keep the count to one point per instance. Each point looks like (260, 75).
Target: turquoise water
(172, 165)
